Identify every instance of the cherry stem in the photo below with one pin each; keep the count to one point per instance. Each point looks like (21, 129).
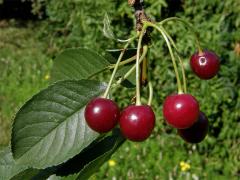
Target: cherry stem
(179, 58)
(145, 49)
(183, 74)
(150, 87)
(190, 26)
(129, 60)
(112, 66)
(138, 95)
(116, 67)
(179, 85)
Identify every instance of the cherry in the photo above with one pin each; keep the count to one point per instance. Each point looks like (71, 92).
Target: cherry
(102, 114)
(180, 110)
(137, 122)
(205, 64)
(197, 132)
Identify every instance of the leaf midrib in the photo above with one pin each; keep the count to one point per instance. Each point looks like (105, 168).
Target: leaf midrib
(53, 129)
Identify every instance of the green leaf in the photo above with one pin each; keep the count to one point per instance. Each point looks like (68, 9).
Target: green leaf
(107, 30)
(8, 167)
(39, 174)
(70, 177)
(89, 154)
(84, 164)
(77, 63)
(27, 174)
(110, 145)
(69, 169)
(50, 128)
(97, 152)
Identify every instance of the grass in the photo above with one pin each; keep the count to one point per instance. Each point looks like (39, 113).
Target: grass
(23, 67)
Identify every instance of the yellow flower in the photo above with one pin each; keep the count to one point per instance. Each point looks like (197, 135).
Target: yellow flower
(182, 163)
(184, 166)
(111, 163)
(47, 77)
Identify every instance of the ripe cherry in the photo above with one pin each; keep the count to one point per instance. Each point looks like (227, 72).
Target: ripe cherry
(197, 132)
(102, 114)
(205, 64)
(137, 122)
(180, 110)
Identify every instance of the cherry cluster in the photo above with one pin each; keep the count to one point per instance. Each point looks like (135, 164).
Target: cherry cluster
(136, 122)
(180, 111)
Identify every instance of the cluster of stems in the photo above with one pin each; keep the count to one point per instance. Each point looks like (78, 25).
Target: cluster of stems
(141, 53)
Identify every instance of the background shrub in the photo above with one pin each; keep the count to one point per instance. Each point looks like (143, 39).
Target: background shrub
(80, 22)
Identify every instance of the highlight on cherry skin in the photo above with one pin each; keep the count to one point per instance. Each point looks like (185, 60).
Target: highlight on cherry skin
(197, 132)
(205, 64)
(102, 114)
(137, 122)
(180, 111)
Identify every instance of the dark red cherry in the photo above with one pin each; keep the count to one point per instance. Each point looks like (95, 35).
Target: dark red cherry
(197, 132)
(180, 110)
(137, 122)
(102, 114)
(205, 64)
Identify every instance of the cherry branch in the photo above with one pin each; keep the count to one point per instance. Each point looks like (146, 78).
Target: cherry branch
(140, 17)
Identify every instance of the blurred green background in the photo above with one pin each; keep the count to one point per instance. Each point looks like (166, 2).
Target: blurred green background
(29, 43)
